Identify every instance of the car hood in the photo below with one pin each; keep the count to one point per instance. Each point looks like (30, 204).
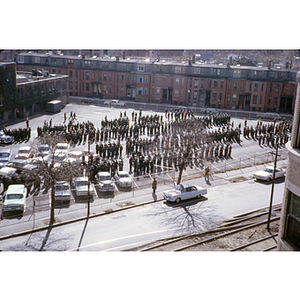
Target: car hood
(172, 193)
(262, 174)
(14, 201)
(106, 182)
(125, 180)
(62, 193)
(83, 188)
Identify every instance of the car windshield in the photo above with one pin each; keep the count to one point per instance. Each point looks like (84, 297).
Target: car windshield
(102, 177)
(81, 183)
(24, 151)
(43, 148)
(61, 188)
(179, 188)
(124, 175)
(268, 170)
(14, 196)
(4, 154)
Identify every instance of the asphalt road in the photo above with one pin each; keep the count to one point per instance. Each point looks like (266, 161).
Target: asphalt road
(131, 228)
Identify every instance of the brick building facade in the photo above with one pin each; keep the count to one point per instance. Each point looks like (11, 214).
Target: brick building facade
(185, 83)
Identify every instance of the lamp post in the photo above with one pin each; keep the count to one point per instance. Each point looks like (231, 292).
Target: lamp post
(272, 190)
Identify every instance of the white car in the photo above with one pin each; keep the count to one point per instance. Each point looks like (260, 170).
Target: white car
(105, 182)
(15, 198)
(269, 116)
(62, 193)
(5, 157)
(24, 152)
(83, 187)
(114, 102)
(123, 179)
(6, 139)
(267, 173)
(184, 191)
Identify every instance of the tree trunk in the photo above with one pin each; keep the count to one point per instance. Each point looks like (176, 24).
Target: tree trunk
(52, 204)
(180, 172)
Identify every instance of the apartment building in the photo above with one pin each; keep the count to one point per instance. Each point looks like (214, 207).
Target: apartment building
(187, 82)
(289, 231)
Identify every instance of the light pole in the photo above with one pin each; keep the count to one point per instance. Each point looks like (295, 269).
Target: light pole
(272, 190)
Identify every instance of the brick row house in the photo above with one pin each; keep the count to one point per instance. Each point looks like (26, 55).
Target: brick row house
(186, 83)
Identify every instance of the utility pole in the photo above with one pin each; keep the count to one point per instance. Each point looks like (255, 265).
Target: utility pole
(272, 190)
(88, 175)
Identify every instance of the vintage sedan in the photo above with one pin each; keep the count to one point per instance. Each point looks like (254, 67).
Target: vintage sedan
(24, 152)
(62, 193)
(123, 179)
(269, 116)
(83, 187)
(6, 139)
(105, 182)
(184, 191)
(114, 102)
(267, 173)
(5, 157)
(15, 198)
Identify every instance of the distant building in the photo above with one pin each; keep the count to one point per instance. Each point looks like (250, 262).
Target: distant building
(180, 81)
(289, 231)
(24, 93)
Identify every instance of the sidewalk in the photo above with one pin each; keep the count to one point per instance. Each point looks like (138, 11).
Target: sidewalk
(122, 201)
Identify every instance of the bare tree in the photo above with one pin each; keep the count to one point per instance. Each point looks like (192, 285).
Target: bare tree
(181, 141)
(55, 166)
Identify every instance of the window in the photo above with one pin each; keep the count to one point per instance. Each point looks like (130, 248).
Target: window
(70, 85)
(141, 68)
(250, 86)
(122, 89)
(236, 73)
(221, 85)
(110, 88)
(220, 97)
(195, 95)
(181, 94)
(182, 81)
(262, 87)
(71, 74)
(269, 101)
(217, 72)
(177, 69)
(242, 85)
(146, 79)
(140, 91)
(104, 77)
(140, 79)
(176, 92)
(157, 92)
(235, 85)
(271, 86)
(228, 98)
(276, 88)
(146, 91)
(37, 59)
(122, 77)
(234, 97)
(110, 77)
(87, 87)
(275, 102)
(215, 84)
(202, 83)
(292, 233)
(20, 58)
(87, 75)
(260, 100)
(229, 84)
(158, 80)
(210, 84)
(176, 81)
(214, 98)
(196, 83)
(104, 88)
(197, 70)
(254, 99)
(255, 87)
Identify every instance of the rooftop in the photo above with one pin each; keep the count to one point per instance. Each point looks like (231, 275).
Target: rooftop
(25, 77)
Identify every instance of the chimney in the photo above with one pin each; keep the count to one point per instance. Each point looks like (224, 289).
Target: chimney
(269, 64)
(194, 59)
(117, 57)
(123, 55)
(190, 62)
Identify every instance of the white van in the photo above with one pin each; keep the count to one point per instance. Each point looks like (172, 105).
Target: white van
(15, 198)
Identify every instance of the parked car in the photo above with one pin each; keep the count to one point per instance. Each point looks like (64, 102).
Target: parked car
(43, 150)
(15, 198)
(208, 110)
(83, 187)
(62, 148)
(21, 165)
(5, 157)
(62, 193)
(267, 173)
(184, 191)
(7, 172)
(269, 116)
(105, 182)
(123, 179)
(24, 152)
(6, 139)
(114, 102)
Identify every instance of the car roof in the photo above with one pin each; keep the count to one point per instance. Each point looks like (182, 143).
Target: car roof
(25, 148)
(83, 178)
(5, 150)
(103, 173)
(15, 188)
(123, 172)
(185, 185)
